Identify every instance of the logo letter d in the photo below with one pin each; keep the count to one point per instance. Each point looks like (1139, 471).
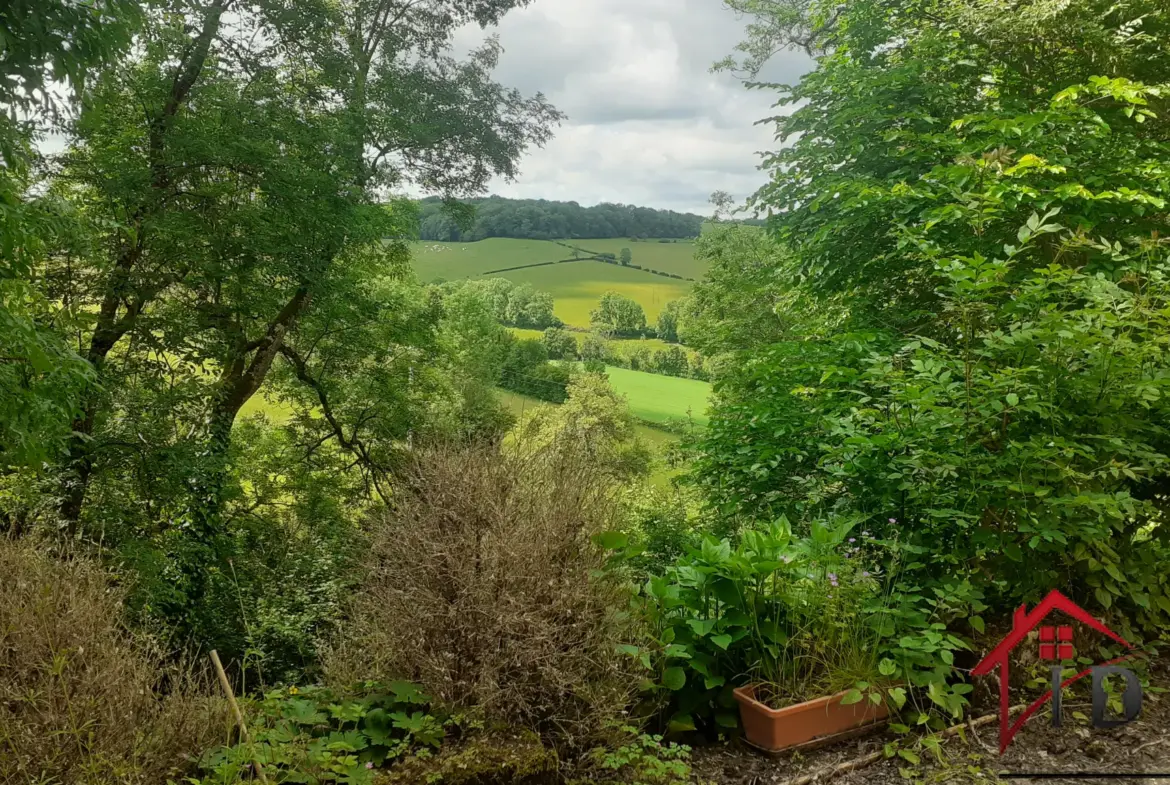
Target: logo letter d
(1131, 699)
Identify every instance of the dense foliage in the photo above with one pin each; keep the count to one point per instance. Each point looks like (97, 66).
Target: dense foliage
(537, 219)
(963, 303)
(618, 316)
(516, 305)
(218, 246)
(231, 417)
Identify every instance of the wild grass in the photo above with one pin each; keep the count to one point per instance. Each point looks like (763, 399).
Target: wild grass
(83, 700)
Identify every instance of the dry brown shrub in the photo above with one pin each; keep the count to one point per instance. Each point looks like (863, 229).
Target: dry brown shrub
(484, 586)
(81, 699)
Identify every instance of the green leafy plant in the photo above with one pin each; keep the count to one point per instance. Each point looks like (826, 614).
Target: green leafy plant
(643, 759)
(801, 616)
(320, 735)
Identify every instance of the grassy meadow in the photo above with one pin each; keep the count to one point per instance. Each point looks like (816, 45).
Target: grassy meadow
(663, 399)
(677, 258)
(452, 261)
(576, 286)
(622, 345)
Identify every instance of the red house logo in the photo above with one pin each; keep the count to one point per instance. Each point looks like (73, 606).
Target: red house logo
(1056, 644)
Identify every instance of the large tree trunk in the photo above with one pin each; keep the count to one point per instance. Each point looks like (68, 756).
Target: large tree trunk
(240, 380)
(113, 323)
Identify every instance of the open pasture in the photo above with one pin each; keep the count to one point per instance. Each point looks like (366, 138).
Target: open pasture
(575, 286)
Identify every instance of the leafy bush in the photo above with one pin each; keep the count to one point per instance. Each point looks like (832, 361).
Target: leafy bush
(799, 615)
(660, 523)
(560, 344)
(81, 699)
(1023, 455)
(593, 428)
(527, 370)
(636, 759)
(319, 735)
(484, 587)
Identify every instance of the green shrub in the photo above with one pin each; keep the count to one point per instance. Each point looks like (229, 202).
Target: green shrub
(800, 615)
(320, 735)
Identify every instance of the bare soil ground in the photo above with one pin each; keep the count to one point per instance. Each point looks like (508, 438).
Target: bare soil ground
(1066, 755)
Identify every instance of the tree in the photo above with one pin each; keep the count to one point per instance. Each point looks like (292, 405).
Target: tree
(668, 321)
(617, 314)
(938, 127)
(641, 359)
(40, 377)
(560, 344)
(546, 220)
(595, 347)
(319, 151)
(778, 25)
(671, 361)
(479, 346)
(626, 257)
(963, 310)
(745, 298)
(595, 423)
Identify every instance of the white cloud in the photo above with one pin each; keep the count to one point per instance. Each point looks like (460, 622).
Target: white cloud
(647, 123)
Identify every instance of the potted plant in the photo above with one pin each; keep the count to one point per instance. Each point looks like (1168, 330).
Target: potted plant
(785, 628)
(817, 673)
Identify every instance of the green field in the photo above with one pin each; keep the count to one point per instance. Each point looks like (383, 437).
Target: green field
(622, 346)
(575, 286)
(452, 261)
(658, 398)
(518, 404)
(677, 258)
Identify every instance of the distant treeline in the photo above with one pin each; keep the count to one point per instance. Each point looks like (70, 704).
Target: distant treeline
(530, 219)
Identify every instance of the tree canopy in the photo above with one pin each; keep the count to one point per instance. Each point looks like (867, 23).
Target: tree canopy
(538, 219)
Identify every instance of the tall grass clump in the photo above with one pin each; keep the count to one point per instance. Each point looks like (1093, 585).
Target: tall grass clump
(485, 587)
(82, 700)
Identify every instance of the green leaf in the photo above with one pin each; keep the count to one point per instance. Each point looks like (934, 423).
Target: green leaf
(977, 623)
(722, 641)
(851, 697)
(611, 540)
(1103, 597)
(887, 667)
(674, 678)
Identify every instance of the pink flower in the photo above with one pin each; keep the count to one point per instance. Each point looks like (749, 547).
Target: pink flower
(370, 765)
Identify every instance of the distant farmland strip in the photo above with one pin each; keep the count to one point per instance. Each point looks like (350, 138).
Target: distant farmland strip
(535, 264)
(601, 259)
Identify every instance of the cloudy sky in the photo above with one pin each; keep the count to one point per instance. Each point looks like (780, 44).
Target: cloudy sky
(647, 125)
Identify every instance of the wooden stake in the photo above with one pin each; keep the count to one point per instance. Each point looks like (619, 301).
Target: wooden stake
(867, 760)
(227, 688)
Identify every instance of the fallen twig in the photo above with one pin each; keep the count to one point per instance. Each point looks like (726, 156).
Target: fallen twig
(227, 688)
(1153, 743)
(829, 772)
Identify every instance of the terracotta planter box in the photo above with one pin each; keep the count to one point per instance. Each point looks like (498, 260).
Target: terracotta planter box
(773, 730)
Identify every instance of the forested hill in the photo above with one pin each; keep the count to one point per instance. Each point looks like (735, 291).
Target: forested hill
(532, 219)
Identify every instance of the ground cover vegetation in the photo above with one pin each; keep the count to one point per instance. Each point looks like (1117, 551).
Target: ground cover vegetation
(939, 392)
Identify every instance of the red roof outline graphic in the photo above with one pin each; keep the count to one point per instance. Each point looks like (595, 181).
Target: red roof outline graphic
(1024, 622)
